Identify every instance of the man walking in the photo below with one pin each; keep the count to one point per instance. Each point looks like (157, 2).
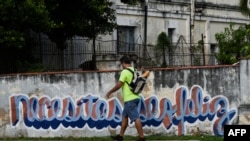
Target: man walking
(131, 100)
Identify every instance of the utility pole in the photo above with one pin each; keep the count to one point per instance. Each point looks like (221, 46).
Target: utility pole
(203, 49)
(145, 29)
(192, 16)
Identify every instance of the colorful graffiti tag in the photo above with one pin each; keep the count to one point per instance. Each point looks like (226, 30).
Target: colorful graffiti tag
(97, 113)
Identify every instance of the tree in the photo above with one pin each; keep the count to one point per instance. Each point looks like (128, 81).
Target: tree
(85, 18)
(233, 44)
(163, 44)
(244, 7)
(17, 20)
(60, 20)
(101, 19)
(76, 18)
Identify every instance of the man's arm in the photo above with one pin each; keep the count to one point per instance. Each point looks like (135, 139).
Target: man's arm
(115, 88)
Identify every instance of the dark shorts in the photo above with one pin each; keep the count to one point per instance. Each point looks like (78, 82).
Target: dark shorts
(131, 109)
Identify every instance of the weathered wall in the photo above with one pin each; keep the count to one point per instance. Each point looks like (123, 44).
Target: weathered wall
(175, 101)
(176, 14)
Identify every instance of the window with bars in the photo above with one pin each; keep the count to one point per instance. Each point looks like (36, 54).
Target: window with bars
(125, 39)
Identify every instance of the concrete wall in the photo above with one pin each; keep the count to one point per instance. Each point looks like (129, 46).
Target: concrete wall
(174, 102)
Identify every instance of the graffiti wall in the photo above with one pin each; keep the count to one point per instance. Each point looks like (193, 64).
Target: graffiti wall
(174, 102)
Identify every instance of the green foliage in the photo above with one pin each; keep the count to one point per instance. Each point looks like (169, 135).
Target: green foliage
(244, 7)
(132, 2)
(101, 18)
(163, 41)
(9, 38)
(60, 20)
(245, 51)
(231, 42)
(163, 44)
(17, 18)
(25, 66)
(197, 49)
(80, 18)
(234, 43)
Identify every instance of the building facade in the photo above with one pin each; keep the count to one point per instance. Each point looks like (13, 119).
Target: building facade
(186, 22)
(178, 18)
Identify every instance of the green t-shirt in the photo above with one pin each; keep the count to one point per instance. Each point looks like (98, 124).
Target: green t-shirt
(126, 76)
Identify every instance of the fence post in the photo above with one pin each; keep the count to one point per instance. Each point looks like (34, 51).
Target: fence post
(203, 49)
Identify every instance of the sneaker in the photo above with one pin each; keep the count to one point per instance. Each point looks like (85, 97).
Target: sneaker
(141, 139)
(117, 138)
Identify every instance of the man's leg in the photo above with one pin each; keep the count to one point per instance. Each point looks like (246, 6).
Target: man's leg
(124, 126)
(138, 126)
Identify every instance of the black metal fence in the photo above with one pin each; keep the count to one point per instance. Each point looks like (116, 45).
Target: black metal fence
(80, 51)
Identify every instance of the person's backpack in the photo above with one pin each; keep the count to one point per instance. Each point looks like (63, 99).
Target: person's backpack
(137, 84)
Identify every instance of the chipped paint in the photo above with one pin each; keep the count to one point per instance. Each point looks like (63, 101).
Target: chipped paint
(162, 84)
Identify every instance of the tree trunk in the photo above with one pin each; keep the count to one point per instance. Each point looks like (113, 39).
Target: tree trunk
(94, 55)
(164, 64)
